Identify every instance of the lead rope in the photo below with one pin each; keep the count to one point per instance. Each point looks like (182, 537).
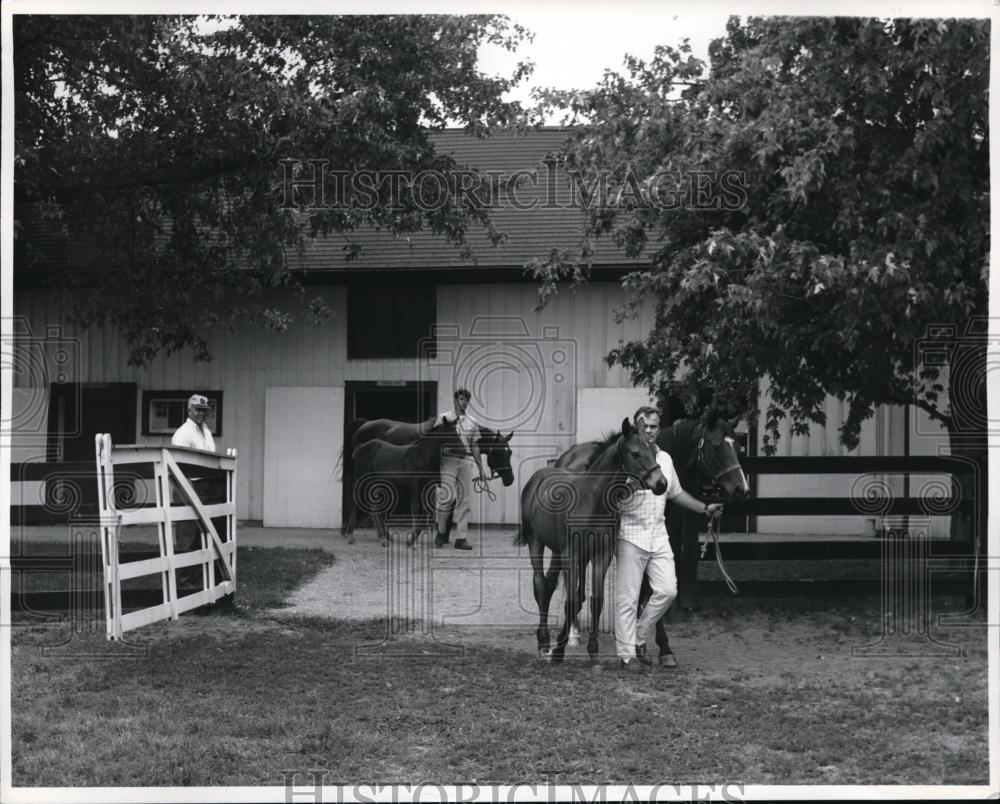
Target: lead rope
(713, 529)
(483, 487)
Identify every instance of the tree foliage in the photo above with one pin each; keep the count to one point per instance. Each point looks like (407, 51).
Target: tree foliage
(155, 145)
(809, 204)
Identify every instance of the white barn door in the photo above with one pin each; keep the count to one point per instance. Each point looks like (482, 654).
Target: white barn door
(303, 435)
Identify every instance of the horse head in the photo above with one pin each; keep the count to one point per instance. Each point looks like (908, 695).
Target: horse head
(718, 456)
(638, 459)
(498, 453)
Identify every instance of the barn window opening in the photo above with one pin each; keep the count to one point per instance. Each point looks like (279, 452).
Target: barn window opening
(389, 320)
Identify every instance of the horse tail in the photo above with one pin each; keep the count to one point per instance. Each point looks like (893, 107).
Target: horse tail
(347, 473)
(522, 537)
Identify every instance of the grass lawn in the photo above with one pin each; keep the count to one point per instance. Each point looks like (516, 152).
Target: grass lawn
(236, 700)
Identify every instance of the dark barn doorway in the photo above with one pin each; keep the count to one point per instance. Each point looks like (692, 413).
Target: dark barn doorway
(388, 399)
(77, 412)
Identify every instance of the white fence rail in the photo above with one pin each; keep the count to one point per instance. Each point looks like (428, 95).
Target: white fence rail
(214, 549)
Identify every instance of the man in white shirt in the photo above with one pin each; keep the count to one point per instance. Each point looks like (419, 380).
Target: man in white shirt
(458, 462)
(643, 547)
(187, 535)
(193, 433)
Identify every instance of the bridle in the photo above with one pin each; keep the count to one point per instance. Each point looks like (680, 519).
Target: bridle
(706, 470)
(640, 480)
(477, 483)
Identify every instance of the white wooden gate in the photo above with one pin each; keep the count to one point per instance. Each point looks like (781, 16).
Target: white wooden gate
(164, 462)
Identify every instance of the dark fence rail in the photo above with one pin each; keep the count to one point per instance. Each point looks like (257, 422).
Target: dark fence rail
(71, 490)
(872, 500)
(60, 503)
(856, 464)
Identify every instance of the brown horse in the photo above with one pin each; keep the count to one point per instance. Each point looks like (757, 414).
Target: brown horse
(573, 514)
(704, 453)
(382, 467)
(492, 444)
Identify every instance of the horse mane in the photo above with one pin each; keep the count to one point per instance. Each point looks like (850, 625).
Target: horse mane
(608, 438)
(486, 434)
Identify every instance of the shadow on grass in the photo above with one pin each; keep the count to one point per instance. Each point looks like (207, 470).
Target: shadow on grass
(265, 576)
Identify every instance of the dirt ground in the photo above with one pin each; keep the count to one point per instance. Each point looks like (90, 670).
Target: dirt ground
(484, 598)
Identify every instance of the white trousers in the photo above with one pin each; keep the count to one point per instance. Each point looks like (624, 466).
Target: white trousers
(630, 564)
(456, 490)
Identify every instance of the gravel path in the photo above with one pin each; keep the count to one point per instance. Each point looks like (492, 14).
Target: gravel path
(483, 596)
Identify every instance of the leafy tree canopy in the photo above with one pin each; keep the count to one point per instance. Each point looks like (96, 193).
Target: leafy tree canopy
(155, 144)
(809, 203)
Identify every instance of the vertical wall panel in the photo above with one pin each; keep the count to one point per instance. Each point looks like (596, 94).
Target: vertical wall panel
(252, 359)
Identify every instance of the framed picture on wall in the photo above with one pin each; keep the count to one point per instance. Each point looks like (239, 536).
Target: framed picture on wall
(164, 411)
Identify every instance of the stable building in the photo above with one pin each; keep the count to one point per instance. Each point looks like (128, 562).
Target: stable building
(413, 319)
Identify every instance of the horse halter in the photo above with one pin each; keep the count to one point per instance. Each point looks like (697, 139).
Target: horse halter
(494, 474)
(707, 470)
(640, 480)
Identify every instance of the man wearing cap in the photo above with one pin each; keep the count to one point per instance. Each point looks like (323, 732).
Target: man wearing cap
(193, 434)
(459, 460)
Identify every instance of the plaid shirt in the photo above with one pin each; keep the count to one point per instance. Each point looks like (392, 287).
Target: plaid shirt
(642, 514)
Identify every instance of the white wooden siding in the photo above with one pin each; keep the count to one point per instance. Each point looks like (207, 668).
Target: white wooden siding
(250, 360)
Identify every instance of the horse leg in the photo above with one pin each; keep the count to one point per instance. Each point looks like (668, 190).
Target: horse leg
(573, 604)
(414, 510)
(543, 589)
(687, 563)
(381, 529)
(347, 477)
(666, 655)
(574, 628)
(599, 570)
(352, 517)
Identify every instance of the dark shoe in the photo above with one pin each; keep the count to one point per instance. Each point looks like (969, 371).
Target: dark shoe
(462, 544)
(441, 540)
(640, 654)
(632, 665)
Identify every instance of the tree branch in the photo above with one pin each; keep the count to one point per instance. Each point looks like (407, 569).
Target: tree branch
(186, 173)
(933, 412)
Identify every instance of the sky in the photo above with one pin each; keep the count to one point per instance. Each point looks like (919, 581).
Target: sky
(572, 51)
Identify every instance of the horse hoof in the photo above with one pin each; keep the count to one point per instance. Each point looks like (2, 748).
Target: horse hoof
(574, 637)
(668, 660)
(596, 667)
(545, 654)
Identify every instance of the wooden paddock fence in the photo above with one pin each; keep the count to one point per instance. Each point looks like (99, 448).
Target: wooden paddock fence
(166, 470)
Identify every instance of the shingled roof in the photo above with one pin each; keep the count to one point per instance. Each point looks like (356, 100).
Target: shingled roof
(546, 216)
(547, 219)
